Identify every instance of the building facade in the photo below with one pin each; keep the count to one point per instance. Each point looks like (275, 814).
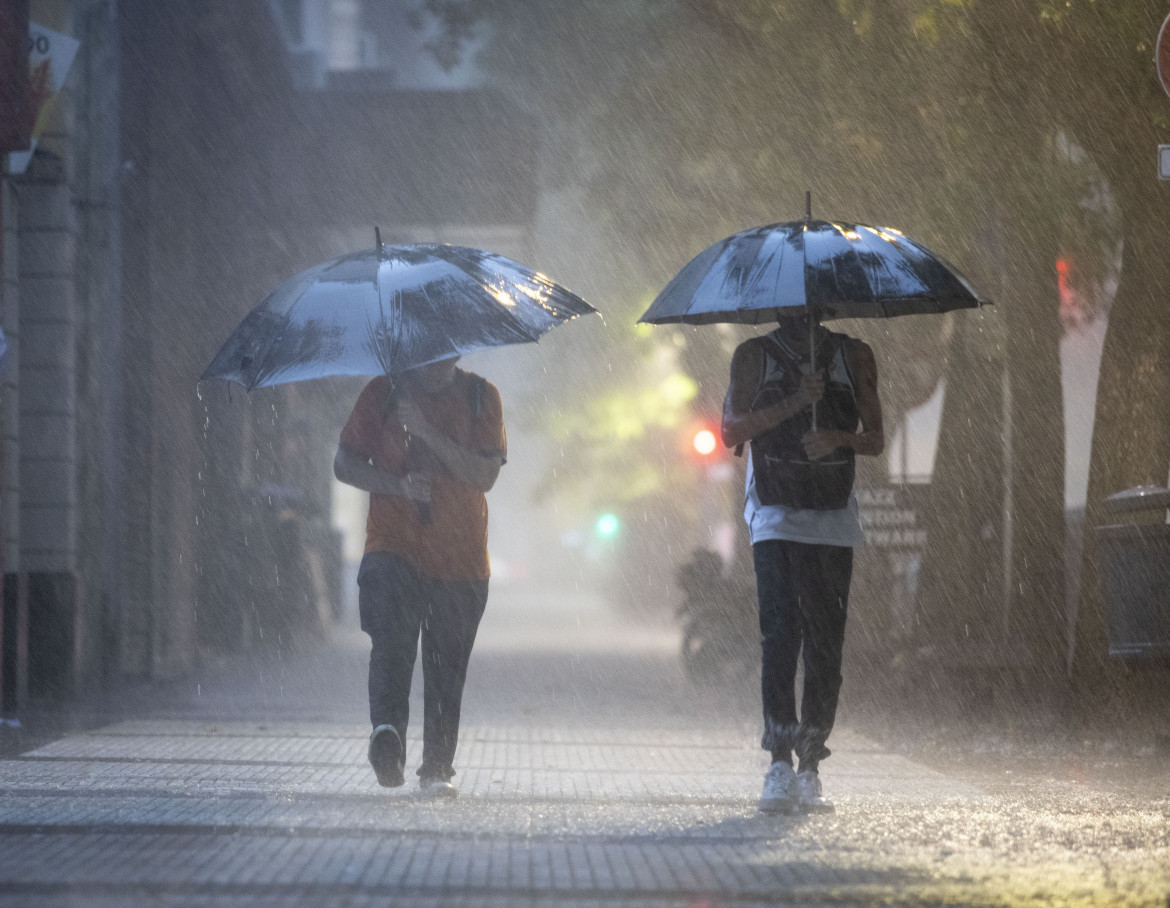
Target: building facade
(197, 155)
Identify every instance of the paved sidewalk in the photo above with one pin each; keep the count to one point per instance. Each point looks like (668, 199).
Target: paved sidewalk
(590, 774)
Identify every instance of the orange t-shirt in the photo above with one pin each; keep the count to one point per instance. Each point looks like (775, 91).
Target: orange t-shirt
(453, 545)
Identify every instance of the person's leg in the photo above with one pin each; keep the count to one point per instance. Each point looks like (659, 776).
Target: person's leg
(448, 634)
(390, 598)
(823, 576)
(780, 633)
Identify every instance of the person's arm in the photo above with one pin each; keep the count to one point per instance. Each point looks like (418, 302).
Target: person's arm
(740, 422)
(355, 469)
(478, 470)
(871, 440)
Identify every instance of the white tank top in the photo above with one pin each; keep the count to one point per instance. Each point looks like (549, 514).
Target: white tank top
(840, 527)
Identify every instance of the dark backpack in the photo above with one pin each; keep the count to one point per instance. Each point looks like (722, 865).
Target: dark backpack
(783, 473)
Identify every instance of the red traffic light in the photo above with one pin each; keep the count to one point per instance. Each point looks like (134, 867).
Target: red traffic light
(705, 442)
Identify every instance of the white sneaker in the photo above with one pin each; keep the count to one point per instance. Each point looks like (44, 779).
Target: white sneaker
(437, 788)
(808, 794)
(779, 789)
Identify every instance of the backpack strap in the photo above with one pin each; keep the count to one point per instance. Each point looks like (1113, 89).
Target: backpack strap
(475, 392)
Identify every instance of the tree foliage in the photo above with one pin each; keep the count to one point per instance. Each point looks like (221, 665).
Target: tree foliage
(1005, 133)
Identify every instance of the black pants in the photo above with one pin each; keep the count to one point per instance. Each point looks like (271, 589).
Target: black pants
(397, 603)
(803, 593)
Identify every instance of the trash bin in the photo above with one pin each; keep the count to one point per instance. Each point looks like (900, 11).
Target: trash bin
(1134, 564)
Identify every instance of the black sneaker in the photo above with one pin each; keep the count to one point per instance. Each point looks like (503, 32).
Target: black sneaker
(387, 756)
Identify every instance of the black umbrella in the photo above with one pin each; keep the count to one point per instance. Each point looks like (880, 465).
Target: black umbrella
(826, 269)
(390, 309)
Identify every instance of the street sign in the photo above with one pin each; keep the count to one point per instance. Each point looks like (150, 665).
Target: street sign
(1162, 55)
(889, 517)
(1164, 162)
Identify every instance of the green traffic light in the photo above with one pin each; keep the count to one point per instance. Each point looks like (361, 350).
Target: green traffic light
(607, 526)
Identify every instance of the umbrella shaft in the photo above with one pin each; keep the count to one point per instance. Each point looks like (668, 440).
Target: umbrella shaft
(812, 358)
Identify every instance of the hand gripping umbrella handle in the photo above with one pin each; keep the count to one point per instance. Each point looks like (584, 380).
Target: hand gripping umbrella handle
(414, 457)
(424, 507)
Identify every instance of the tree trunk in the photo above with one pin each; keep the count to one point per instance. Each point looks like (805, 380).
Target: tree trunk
(961, 584)
(993, 573)
(1131, 433)
(1035, 623)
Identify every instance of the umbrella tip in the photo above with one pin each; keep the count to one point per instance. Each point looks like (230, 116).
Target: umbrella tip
(808, 204)
(378, 239)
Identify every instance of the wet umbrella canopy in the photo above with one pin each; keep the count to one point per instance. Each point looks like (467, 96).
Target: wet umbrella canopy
(389, 309)
(831, 269)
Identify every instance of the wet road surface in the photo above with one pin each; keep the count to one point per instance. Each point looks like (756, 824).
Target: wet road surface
(590, 772)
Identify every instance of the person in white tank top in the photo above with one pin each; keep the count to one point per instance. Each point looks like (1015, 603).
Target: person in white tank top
(803, 556)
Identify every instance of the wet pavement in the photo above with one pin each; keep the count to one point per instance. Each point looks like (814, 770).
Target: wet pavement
(590, 773)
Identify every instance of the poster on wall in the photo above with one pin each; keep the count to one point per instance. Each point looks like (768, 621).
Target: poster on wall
(50, 56)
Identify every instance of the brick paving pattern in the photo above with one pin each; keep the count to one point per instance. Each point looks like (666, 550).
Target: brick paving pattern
(609, 783)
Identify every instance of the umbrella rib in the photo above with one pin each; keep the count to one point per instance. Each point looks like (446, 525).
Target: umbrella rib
(273, 344)
(381, 354)
(276, 339)
(886, 264)
(392, 326)
(430, 302)
(856, 256)
(503, 313)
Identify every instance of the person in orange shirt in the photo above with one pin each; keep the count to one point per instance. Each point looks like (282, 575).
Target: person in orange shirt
(426, 446)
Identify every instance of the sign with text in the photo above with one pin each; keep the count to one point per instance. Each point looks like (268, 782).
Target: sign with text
(50, 54)
(890, 519)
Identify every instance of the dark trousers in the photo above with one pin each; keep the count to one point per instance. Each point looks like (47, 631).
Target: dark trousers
(803, 593)
(398, 604)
